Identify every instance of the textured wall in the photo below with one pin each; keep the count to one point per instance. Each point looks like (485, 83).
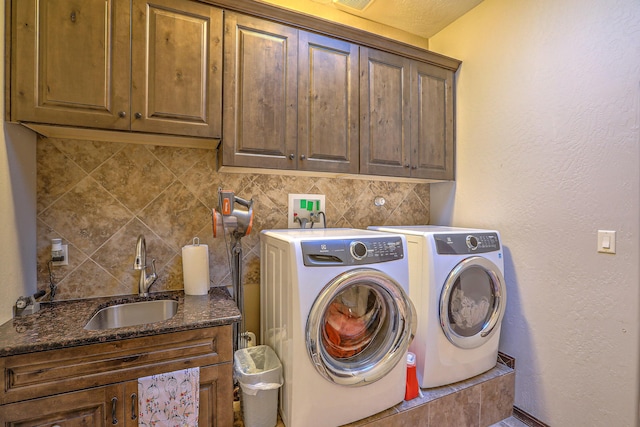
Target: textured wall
(548, 139)
(98, 196)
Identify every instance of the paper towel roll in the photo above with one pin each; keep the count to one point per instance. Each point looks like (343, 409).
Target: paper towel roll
(195, 268)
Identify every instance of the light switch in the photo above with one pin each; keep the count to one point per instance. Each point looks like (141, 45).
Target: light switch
(607, 241)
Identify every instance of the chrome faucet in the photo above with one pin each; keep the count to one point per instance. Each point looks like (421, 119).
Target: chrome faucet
(140, 263)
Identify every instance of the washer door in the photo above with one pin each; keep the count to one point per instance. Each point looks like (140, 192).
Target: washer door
(472, 302)
(359, 327)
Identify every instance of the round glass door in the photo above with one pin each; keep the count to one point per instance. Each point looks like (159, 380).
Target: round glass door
(472, 302)
(359, 327)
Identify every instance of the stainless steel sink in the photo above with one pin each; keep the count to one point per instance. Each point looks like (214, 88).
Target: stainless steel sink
(133, 313)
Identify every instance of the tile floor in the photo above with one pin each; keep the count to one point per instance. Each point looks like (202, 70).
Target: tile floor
(510, 422)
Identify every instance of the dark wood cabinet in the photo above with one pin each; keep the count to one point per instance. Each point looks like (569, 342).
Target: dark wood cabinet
(290, 98)
(284, 91)
(260, 98)
(118, 65)
(97, 384)
(98, 407)
(328, 132)
(385, 115)
(406, 122)
(432, 112)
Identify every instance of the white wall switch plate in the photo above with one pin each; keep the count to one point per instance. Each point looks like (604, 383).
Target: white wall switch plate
(305, 207)
(607, 241)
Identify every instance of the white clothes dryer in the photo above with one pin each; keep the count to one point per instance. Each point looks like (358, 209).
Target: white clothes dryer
(335, 308)
(457, 285)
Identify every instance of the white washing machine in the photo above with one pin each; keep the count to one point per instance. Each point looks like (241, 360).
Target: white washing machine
(457, 285)
(335, 308)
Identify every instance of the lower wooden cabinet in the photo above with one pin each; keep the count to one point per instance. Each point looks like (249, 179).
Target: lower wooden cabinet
(96, 385)
(216, 396)
(101, 406)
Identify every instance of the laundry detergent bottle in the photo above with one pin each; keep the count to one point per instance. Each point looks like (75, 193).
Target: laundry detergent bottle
(412, 391)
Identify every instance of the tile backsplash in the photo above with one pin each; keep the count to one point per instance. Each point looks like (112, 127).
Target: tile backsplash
(99, 196)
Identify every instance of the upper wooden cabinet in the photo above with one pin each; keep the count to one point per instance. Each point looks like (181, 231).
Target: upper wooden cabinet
(176, 68)
(385, 116)
(358, 110)
(432, 135)
(260, 98)
(291, 98)
(115, 64)
(406, 121)
(356, 103)
(328, 132)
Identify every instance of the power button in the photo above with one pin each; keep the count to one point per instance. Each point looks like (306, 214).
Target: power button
(358, 250)
(472, 243)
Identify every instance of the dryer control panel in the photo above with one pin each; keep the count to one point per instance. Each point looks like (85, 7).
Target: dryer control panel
(462, 244)
(361, 251)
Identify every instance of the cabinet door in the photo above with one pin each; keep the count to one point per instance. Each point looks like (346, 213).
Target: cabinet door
(216, 396)
(260, 93)
(176, 68)
(432, 147)
(70, 62)
(385, 113)
(328, 133)
(99, 407)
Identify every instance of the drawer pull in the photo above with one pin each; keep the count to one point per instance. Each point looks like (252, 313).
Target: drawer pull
(134, 413)
(114, 407)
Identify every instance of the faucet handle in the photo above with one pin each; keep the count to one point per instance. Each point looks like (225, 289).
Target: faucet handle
(153, 267)
(153, 276)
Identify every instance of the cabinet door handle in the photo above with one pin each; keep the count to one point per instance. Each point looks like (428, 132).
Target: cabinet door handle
(292, 156)
(406, 165)
(122, 114)
(134, 413)
(302, 157)
(114, 407)
(138, 115)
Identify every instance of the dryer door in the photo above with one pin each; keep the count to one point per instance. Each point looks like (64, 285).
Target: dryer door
(359, 327)
(472, 302)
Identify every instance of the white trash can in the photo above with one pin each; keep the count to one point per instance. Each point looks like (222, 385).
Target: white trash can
(259, 373)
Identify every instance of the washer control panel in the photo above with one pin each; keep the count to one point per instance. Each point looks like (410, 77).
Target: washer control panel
(364, 250)
(462, 244)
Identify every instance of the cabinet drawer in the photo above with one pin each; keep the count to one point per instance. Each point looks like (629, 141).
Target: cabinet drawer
(46, 373)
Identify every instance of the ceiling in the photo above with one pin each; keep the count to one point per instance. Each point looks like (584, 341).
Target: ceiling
(420, 17)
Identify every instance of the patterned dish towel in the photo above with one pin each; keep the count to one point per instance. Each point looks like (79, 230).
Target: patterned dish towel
(169, 400)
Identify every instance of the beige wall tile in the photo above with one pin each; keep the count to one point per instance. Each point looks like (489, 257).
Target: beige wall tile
(98, 196)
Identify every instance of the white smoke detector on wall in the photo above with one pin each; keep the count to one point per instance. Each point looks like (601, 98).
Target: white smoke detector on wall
(352, 5)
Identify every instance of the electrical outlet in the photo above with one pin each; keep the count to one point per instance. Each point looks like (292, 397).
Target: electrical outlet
(59, 253)
(305, 207)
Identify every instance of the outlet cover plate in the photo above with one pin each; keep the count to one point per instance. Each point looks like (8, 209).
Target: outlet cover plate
(303, 205)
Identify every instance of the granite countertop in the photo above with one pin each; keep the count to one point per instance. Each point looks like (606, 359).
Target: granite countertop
(61, 324)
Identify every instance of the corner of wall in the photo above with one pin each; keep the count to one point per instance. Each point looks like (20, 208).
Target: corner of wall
(17, 215)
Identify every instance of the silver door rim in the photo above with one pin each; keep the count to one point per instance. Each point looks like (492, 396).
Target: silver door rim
(394, 345)
(499, 291)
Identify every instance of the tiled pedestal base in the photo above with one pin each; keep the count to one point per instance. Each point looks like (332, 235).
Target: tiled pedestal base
(478, 402)
(481, 401)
